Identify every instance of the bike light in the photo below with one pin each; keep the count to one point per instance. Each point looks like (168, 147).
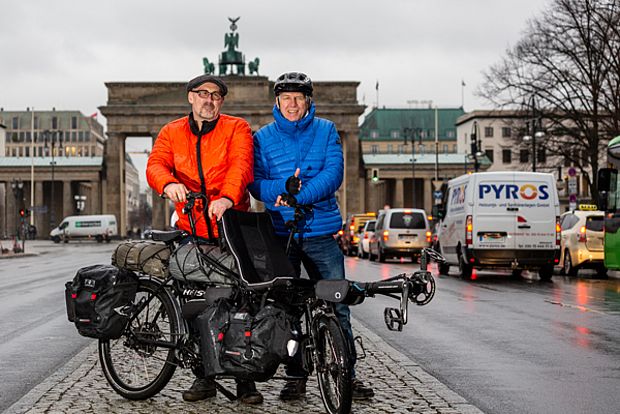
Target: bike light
(73, 295)
(386, 235)
(469, 230)
(582, 234)
(93, 296)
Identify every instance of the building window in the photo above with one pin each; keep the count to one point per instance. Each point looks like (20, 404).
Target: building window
(390, 148)
(454, 148)
(421, 149)
(524, 156)
(488, 132)
(374, 148)
(395, 134)
(74, 122)
(401, 148)
(422, 134)
(506, 156)
(22, 136)
(14, 152)
(54, 122)
(506, 132)
(489, 154)
(86, 151)
(36, 122)
(81, 136)
(541, 156)
(73, 136)
(445, 148)
(15, 122)
(450, 133)
(27, 151)
(87, 136)
(374, 134)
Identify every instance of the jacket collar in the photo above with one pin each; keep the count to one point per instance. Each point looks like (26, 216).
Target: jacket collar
(289, 126)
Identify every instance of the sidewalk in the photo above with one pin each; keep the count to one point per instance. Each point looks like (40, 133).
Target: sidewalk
(401, 386)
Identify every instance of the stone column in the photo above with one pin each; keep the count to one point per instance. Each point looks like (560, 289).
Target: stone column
(427, 196)
(94, 206)
(67, 199)
(115, 179)
(39, 217)
(161, 216)
(399, 193)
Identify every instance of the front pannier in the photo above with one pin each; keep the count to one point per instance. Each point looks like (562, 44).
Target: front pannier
(99, 300)
(203, 263)
(143, 256)
(248, 347)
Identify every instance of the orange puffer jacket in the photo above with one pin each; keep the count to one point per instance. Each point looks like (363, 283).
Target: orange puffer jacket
(227, 162)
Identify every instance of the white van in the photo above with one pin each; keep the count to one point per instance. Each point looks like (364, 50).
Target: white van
(100, 227)
(506, 219)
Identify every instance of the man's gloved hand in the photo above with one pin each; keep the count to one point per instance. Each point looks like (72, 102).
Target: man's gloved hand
(293, 183)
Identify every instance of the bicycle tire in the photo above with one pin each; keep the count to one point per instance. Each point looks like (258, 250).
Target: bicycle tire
(333, 369)
(137, 370)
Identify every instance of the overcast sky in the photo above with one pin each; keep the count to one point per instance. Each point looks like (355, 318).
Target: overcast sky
(59, 53)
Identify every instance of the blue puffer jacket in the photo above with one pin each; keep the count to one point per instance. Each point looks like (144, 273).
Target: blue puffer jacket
(313, 145)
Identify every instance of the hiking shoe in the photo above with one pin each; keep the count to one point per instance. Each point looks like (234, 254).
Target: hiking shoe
(247, 393)
(361, 391)
(293, 390)
(201, 388)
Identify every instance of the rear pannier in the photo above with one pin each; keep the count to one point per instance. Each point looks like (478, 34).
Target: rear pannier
(143, 256)
(203, 263)
(99, 300)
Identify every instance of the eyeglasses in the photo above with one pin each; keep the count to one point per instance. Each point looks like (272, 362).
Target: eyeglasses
(203, 93)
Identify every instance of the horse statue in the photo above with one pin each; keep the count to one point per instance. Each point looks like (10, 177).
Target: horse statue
(209, 67)
(253, 66)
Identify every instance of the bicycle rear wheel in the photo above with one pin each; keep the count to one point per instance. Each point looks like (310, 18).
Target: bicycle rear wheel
(141, 362)
(333, 368)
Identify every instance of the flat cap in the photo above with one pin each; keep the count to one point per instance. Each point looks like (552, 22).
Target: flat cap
(199, 80)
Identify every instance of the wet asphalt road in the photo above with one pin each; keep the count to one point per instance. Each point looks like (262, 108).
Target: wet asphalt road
(512, 346)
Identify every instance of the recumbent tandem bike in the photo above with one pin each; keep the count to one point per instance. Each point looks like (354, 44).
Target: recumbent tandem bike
(243, 325)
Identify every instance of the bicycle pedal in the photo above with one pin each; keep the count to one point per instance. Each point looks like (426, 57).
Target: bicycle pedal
(393, 319)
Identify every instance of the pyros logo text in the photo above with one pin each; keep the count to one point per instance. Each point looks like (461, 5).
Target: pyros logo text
(513, 191)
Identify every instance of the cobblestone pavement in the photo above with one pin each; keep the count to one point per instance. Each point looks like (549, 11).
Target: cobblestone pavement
(400, 385)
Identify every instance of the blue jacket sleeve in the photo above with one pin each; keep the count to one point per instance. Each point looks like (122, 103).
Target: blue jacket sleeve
(264, 189)
(327, 182)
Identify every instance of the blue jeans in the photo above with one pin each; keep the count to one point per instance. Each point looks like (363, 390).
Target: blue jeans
(323, 259)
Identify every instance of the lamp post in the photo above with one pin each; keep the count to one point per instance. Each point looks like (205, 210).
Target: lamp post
(536, 130)
(411, 133)
(53, 137)
(476, 145)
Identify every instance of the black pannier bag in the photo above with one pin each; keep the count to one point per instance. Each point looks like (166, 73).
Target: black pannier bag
(99, 300)
(236, 343)
(203, 263)
(147, 257)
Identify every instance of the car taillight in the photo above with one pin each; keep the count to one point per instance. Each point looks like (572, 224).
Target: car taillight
(428, 236)
(386, 234)
(582, 235)
(352, 227)
(365, 236)
(558, 231)
(469, 230)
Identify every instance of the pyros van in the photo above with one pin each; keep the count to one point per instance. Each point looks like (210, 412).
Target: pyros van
(99, 227)
(500, 219)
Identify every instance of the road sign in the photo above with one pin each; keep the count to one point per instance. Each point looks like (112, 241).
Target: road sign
(572, 185)
(572, 198)
(39, 209)
(572, 172)
(437, 194)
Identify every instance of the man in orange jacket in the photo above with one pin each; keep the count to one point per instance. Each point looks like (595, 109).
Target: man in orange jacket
(211, 153)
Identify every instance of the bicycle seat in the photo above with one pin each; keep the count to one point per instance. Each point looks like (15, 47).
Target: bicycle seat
(165, 236)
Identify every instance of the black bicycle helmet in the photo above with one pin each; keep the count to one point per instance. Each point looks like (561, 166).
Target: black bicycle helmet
(293, 82)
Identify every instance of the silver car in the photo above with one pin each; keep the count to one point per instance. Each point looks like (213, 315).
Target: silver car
(400, 232)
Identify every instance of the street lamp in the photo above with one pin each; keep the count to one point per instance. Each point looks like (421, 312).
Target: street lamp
(17, 185)
(476, 145)
(53, 137)
(536, 130)
(411, 134)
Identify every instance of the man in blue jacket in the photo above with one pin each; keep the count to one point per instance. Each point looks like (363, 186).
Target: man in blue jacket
(301, 152)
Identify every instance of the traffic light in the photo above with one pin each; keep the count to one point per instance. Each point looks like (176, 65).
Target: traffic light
(22, 212)
(375, 175)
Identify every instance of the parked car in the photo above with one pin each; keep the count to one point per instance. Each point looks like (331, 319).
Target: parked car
(400, 232)
(367, 233)
(582, 240)
(353, 226)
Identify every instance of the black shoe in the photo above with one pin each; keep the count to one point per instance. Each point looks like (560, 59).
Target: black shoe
(247, 393)
(201, 388)
(361, 391)
(293, 390)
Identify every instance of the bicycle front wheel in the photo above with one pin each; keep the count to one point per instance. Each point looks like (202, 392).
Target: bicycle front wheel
(333, 368)
(141, 362)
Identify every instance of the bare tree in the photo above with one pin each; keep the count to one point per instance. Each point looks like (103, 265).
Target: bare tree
(569, 60)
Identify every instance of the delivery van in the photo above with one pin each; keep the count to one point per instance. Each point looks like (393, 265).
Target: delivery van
(98, 227)
(506, 219)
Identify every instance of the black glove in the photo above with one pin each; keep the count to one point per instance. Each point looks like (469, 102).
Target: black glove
(292, 185)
